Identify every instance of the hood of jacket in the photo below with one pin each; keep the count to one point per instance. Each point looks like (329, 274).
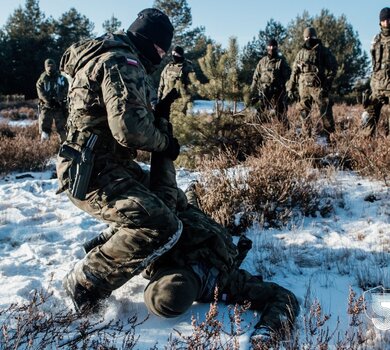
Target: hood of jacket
(78, 54)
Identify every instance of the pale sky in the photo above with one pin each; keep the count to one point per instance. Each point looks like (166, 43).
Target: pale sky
(221, 18)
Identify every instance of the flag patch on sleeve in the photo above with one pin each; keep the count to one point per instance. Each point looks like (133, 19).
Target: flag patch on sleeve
(131, 62)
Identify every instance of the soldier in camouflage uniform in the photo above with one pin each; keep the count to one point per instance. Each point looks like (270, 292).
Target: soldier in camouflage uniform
(52, 89)
(183, 252)
(380, 78)
(268, 90)
(176, 74)
(313, 72)
(109, 97)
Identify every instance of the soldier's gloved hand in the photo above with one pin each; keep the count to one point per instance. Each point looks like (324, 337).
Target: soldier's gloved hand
(163, 107)
(254, 100)
(291, 95)
(173, 149)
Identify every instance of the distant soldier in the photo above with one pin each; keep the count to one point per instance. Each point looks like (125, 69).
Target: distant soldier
(52, 89)
(313, 72)
(176, 74)
(268, 91)
(380, 78)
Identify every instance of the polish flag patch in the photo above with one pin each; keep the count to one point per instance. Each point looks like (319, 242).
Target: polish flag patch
(131, 62)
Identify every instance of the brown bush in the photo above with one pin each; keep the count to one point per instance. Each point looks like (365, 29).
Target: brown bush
(266, 187)
(21, 149)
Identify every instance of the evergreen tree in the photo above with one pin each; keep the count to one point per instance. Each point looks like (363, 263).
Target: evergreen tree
(233, 91)
(111, 25)
(70, 28)
(221, 67)
(27, 41)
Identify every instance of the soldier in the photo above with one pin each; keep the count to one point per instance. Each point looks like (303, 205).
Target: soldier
(176, 74)
(268, 91)
(380, 77)
(109, 98)
(52, 89)
(313, 72)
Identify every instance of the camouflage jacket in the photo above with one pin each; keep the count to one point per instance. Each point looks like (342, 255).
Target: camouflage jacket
(175, 75)
(380, 55)
(271, 74)
(52, 90)
(110, 96)
(315, 67)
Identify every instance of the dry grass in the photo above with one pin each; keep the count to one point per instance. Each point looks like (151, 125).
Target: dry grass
(21, 149)
(267, 187)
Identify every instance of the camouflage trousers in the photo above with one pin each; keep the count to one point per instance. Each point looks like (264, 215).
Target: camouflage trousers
(272, 104)
(377, 100)
(172, 290)
(308, 95)
(144, 228)
(199, 263)
(45, 121)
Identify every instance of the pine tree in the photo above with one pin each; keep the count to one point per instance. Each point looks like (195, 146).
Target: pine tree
(27, 41)
(70, 28)
(111, 25)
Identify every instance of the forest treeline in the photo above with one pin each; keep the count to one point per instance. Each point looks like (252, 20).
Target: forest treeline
(29, 37)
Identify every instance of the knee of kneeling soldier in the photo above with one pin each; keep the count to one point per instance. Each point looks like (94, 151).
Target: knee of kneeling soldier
(171, 292)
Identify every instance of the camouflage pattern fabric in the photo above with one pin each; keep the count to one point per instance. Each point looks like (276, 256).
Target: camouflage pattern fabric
(52, 93)
(205, 250)
(177, 75)
(380, 84)
(109, 96)
(268, 85)
(313, 73)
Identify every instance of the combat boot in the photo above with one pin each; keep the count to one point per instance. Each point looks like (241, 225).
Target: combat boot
(84, 300)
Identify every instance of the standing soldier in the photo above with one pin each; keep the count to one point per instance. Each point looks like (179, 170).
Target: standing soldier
(380, 78)
(176, 74)
(52, 89)
(268, 91)
(313, 72)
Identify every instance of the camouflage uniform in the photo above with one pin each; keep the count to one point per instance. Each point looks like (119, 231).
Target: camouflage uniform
(380, 83)
(313, 72)
(176, 75)
(268, 85)
(52, 89)
(185, 254)
(109, 96)
(204, 258)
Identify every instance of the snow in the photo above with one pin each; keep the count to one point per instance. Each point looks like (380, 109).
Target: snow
(318, 258)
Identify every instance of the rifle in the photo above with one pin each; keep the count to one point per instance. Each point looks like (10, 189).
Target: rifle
(83, 162)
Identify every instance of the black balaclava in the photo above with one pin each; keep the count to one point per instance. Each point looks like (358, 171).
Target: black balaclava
(310, 36)
(178, 54)
(151, 27)
(383, 15)
(274, 52)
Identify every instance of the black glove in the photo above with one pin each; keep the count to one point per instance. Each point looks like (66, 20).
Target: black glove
(163, 107)
(254, 100)
(291, 95)
(173, 149)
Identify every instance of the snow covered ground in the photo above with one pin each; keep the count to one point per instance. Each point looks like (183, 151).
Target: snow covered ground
(318, 258)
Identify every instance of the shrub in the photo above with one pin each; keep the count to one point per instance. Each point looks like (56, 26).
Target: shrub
(21, 149)
(267, 186)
